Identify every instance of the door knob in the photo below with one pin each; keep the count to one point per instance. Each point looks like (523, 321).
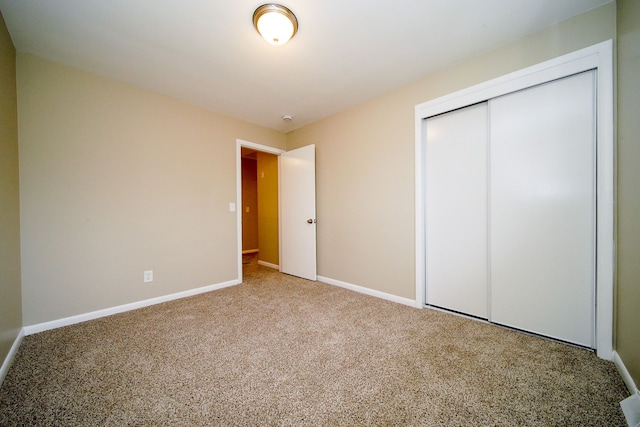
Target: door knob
(311, 221)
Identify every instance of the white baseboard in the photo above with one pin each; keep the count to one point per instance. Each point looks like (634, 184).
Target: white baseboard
(250, 251)
(268, 264)
(631, 405)
(41, 327)
(624, 373)
(367, 291)
(11, 356)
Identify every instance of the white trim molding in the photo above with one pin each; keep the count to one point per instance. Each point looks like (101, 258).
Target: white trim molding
(8, 361)
(624, 373)
(268, 264)
(631, 405)
(72, 320)
(597, 57)
(368, 291)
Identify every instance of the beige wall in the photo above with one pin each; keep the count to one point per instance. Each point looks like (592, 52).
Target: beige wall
(249, 204)
(365, 159)
(268, 237)
(10, 289)
(628, 289)
(116, 180)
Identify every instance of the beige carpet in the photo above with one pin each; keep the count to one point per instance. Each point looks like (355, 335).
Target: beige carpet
(282, 351)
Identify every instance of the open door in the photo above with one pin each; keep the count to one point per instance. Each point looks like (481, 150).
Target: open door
(298, 212)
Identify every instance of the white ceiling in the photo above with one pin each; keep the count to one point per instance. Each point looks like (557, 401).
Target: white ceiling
(207, 52)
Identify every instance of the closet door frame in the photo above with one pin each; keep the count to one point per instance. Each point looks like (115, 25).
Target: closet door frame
(598, 57)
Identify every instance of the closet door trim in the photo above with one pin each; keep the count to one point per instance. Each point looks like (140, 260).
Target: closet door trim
(598, 57)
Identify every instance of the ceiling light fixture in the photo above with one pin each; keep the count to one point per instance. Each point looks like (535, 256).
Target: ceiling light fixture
(275, 23)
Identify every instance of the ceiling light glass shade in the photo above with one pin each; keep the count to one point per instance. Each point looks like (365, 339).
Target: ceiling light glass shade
(275, 23)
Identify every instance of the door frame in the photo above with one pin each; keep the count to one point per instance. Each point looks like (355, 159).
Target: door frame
(258, 147)
(598, 57)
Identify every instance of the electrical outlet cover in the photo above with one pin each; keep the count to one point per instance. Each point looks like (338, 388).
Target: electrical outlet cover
(148, 276)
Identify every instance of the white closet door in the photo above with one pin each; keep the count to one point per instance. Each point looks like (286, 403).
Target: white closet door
(456, 207)
(542, 209)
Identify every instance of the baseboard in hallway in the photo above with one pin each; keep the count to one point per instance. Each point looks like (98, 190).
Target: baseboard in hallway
(268, 264)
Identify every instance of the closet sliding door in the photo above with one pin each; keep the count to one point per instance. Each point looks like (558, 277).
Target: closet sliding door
(456, 210)
(542, 209)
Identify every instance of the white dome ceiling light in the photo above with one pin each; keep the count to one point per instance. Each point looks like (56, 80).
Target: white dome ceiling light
(275, 23)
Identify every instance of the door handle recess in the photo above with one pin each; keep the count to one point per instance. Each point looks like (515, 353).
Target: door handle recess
(311, 221)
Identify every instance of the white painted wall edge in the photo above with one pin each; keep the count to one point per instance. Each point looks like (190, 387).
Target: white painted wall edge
(367, 291)
(268, 264)
(41, 327)
(8, 361)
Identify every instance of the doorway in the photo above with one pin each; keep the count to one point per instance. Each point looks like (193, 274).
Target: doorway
(258, 203)
(249, 203)
(296, 206)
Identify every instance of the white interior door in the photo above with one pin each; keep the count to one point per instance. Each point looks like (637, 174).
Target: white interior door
(456, 210)
(298, 212)
(542, 209)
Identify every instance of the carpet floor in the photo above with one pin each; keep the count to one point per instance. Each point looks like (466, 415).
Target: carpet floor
(283, 351)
